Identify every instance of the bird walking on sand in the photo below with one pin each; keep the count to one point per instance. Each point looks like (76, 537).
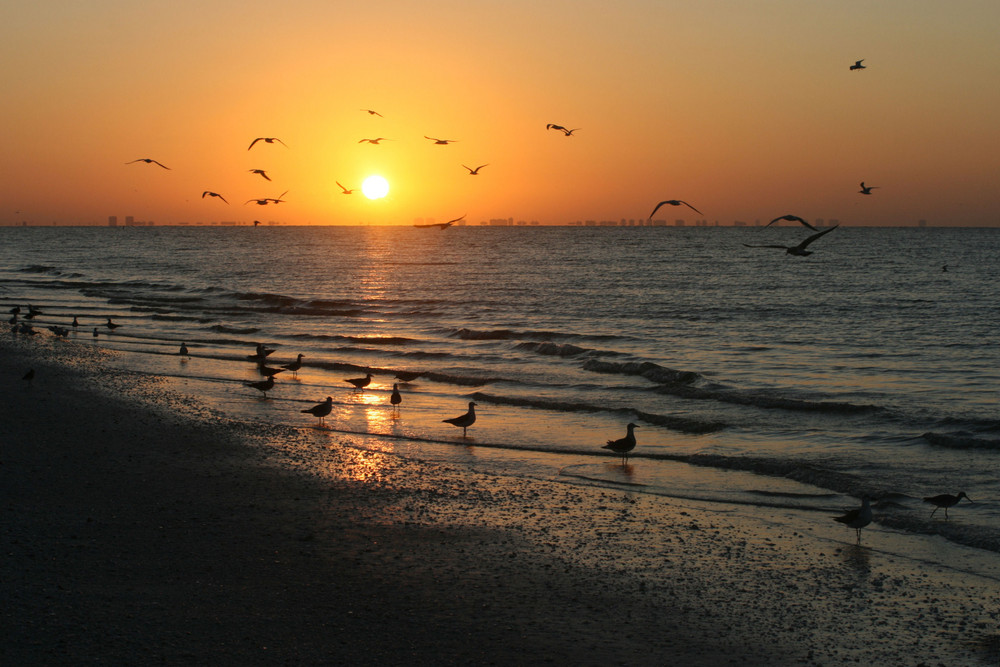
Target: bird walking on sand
(149, 160)
(946, 500)
(797, 250)
(867, 189)
(857, 65)
(184, 350)
(263, 386)
(441, 142)
(858, 518)
(269, 140)
(321, 410)
(674, 202)
(294, 366)
(465, 421)
(209, 193)
(111, 325)
(396, 398)
(360, 383)
(792, 218)
(261, 173)
(475, 172)
(623, 445)
(345, 190)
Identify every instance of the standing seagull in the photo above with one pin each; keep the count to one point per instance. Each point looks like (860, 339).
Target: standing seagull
(111, 325)
(321, 410)
(857, 65)
(465, 421)
(623, 445)
(792, 218)
(867, 189)
(184, 350)
(945, 500)
(440, 142)
(260, 172)
(858, 518)
(212, 194)
(269, 140)
(475, 172)
(800, 249)
(295, 365)
(360, 383)
(674, 202)
(263, 386)
(396, 398)
(149, 160)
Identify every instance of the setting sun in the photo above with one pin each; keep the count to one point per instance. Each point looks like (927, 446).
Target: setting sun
(375, 187)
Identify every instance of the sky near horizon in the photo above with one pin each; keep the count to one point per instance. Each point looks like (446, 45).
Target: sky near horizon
(747, 110)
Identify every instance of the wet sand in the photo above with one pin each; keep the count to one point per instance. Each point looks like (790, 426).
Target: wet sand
(139, 527)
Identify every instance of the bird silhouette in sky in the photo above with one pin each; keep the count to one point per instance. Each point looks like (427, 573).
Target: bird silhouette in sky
(372, 112)
(374, 141)
(440, 142)
(443, 225)
(800, 249)
(857, 65)
(568, 133)
(212, 194)
(269, 140)
(265, 201)
(260, 172)
(674, 202)
(792, 218)
(345, 190)
(867, 189)
(475, 172)
(149, 160)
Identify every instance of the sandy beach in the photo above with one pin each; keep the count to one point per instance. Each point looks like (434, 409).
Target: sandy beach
(140, 527)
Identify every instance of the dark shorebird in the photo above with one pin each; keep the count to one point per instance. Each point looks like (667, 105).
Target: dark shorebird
(269, 371)
(946, 500)
(857, 65)
(149, 160)
(396, 398)
(372, 112)
(263, 386)
(260, 352)
(797, 250)
(475, 172)
(360, 383)
(858, 518)
(295, 365)
(465, 421)
(440, 142)
(269, 140)
(623, 445)
(209, 193)
(373, 141)
(408, 376)
(75, 323)
(792, 218)
(345, 190)
(321, 410)
(111, 325)
(261, 173)
(184, 350)
(95, 332)
(30, 375)
(867, 189)
(674, 202)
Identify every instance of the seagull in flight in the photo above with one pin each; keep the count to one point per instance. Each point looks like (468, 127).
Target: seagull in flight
(440, 142)
(267, 200)
(345, 190)
(568, 133)
(372, 112)
(149, 160)
(443, 225)
(374, 141)
(475, 172)
(674, 202)
(867, 189)
(261, 172)
(213, 194)
(792, 218)
(269, 140)
(800, 249)
(857, 65)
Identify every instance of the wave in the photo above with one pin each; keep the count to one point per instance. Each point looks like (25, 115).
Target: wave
(239, 331)
(960, 441)
(510, 334)
(41, 268)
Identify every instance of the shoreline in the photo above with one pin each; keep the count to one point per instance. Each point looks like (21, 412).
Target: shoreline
(140, 527)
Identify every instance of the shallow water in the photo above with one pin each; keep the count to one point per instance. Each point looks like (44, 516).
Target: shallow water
(755, 377)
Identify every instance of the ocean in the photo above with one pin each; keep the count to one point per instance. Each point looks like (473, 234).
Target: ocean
(754, 377)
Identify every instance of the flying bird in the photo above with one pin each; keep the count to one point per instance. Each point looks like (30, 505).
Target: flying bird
(857, 65)
(792, 218)
(674, 202)
(149, 160)
(442, 225)
(623, 445)
(867, 189)
(345, 190)
(374, 141)
(372, 112)
(212, 194)
(858, 518)
(553, 126)
(261, 172)
(946, 500)
(321, 410)
(440, 142)
(464, 421)
(475, 172)
(269, 140)
(360, 383)
(800, 249)
(267, 200)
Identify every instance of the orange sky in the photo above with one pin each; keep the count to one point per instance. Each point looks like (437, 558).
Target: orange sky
(745, 109)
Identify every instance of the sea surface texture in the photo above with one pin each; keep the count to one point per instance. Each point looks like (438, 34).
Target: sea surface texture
(755, 377)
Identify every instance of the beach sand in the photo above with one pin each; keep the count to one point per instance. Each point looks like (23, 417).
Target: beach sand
(140, 527)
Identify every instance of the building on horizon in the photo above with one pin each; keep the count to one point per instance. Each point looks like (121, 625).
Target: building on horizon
(112, 221)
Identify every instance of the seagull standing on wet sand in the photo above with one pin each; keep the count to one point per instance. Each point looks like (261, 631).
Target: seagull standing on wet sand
(797, 250)
(209, 193)
(295, 365)
(149, 160)
(623, 445)
(867, 189)
(111, 325)
(792, 218)
(946, 500)
(360, 383)
(396, 398)
(857, 65)
(321, 410)
(465, 421)
(858, 518)
(674, 202)
(263, 386)
(184, 350)
(269, 140)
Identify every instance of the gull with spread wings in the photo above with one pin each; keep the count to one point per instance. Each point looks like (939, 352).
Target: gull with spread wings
(148, 160)
(674, 202)
(800, 249)
(269, 140)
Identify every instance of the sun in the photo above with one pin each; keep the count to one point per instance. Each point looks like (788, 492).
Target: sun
(375, 187)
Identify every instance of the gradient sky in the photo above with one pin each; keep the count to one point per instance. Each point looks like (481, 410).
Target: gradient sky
(746, 109)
